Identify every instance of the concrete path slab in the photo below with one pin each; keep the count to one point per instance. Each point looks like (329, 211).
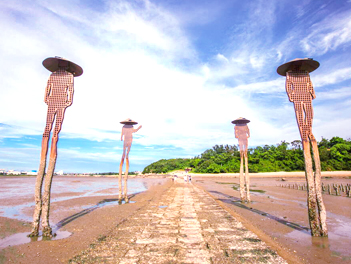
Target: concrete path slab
(185, 226)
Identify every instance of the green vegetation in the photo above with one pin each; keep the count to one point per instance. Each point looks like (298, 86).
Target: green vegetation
(335, 154)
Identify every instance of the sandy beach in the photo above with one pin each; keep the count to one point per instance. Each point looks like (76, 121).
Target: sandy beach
(278, 216)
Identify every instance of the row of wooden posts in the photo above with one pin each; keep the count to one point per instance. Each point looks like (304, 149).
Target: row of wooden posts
(331, 189)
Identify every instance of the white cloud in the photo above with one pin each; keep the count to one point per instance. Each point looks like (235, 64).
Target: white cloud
(340, 93)
(333, 77)
(332, 32)
(222, 58)
(269, 87)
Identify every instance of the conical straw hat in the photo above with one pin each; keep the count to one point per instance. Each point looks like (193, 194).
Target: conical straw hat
(52, 64)
(306, 64)
(240, 121)
(129, 121)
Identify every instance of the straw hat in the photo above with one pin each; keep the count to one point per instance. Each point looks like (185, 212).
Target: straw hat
(240, 121)
(129, 121)
(52, 64)
(306, 64)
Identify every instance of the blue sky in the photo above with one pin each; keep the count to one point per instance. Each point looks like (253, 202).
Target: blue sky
(183, 69)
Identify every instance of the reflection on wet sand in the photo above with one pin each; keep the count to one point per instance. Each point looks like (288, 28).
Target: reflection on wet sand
(17, 191)
(22, 238)
(16, 206)
(280, 213)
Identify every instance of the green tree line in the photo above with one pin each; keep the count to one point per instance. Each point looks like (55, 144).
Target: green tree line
(335, 154)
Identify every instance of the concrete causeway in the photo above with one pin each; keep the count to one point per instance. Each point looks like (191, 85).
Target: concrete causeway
(185, 226)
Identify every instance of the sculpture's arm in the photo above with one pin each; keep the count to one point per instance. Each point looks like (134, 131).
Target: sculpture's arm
(70, 92)
(311, 89)
(248, 132)
(136, 130)
(122, 133)
(289, 88)
(47, 91)
(235, 132)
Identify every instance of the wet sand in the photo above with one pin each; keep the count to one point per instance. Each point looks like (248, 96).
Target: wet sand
(83, 220)
(278, 216)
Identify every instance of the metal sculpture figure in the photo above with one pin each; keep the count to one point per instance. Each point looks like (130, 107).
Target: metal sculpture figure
(242, 133)
(58, 96)
(127, 132)
(300, 91)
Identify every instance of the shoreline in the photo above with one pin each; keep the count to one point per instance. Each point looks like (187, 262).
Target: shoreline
(278, 174)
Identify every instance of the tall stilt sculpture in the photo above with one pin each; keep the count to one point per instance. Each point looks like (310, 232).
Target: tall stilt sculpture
(242, 133)
(58, 96)
(127, 132)
(300, 91)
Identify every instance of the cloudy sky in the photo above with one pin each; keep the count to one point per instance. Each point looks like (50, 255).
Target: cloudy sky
(183, 69)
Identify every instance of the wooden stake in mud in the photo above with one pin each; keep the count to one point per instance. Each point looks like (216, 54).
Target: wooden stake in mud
(58, 96)
(300, 91)
(127, 133)
(242, 133)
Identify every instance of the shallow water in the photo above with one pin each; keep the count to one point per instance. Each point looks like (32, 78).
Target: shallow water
(17, 193)
(22, 238)
(23, 187)
(335, 245)
(17, 197)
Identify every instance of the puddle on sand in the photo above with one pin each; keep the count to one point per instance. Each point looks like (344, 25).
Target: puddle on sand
(163, 206)
(334, 244)
(69, 188)
(22, 238)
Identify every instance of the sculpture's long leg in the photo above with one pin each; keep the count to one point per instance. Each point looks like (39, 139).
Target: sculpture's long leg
(317, 179)
(299, 117)
(120, 178)
(247, 179)
(311, 195)
(47, 231)
(241, 180)
(126, 180)
(38, 187)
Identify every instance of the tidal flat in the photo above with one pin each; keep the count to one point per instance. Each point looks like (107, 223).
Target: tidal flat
(280, 214)
(85, 209)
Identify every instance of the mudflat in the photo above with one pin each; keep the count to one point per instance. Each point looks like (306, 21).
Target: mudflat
(82, 221)
(277, 215)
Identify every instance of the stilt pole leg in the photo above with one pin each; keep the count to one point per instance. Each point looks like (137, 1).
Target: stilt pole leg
(126, 180)
(317, 178)
(47, 230)
(242, 182)
(120, 179)
(38, 187)
(247, 179)
(311, 193)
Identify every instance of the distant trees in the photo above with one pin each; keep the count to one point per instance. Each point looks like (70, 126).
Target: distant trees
(335, 154)
(163, 165)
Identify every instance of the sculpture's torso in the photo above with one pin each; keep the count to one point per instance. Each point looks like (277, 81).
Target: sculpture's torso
(59, 82)
(301, 85)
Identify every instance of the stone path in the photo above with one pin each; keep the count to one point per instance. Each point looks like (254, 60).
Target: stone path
(187, 226)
